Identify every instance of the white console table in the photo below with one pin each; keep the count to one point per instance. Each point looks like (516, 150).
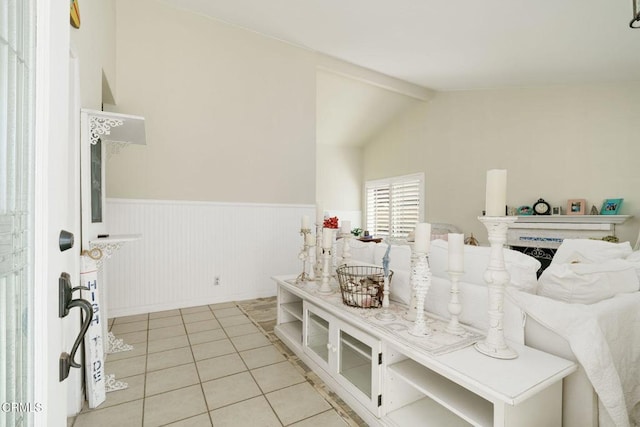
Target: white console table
(389, 381)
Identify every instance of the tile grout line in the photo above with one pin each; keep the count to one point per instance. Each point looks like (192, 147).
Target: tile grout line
(264, 396)
(272, 342)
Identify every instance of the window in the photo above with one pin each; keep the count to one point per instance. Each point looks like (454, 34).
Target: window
(394, 205)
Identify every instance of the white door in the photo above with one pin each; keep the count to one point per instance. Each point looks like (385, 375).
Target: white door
(55, 205)
(36, 188)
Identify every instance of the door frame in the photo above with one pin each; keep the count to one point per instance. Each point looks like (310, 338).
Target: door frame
(51, 133)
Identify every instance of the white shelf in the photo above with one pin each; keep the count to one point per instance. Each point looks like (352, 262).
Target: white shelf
(425, 413)
(293, 308)
(292, 330)
(114, 239)
(450, 395)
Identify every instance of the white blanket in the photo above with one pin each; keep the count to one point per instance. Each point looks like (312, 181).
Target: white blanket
(605, 338)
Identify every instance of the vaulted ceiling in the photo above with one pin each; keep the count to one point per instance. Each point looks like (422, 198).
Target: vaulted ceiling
(451, 45)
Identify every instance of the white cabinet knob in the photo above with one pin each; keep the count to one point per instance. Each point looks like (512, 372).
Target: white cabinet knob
(328, 346)
(334, 349)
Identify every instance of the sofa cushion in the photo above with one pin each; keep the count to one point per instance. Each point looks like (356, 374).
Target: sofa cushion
(399, 256)
(360, 251)
(587, 283)
(590, 251)
(522, 268)
(400, 263)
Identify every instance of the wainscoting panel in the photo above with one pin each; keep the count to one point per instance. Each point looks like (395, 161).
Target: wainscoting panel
(186, 246)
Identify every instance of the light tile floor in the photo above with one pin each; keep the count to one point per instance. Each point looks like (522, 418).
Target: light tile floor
(206, 366)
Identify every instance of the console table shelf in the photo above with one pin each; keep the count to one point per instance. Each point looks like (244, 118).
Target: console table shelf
(452, 396)
(389, 380)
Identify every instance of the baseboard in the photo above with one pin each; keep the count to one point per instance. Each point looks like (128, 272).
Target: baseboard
(152, 308)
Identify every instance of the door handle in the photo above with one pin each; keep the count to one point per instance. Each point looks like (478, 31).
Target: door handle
(66, 302)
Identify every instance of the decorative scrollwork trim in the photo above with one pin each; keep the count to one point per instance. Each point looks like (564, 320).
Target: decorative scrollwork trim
(100, 126)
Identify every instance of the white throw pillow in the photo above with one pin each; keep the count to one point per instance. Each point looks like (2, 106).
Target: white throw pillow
(590, 251)
(522, 268)
(400, 264)
(587, 283)
(360, 251)
(399, 256)
(634, 259)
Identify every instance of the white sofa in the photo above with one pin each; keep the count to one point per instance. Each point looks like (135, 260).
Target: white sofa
(581, 406)
(473, 291)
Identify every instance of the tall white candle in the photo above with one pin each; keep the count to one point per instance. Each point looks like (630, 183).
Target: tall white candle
(327, 238)
(346, 226)
(496, 196)
(422, 237)
(319, 213)
(305, 222)
(456, 252)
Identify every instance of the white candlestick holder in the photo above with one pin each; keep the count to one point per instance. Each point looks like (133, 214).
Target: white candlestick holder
(325, 288)
(497, 278)
(385, 314)
(304, 256)
(420, 282)
(317, 266)
(411, 312)
(455, 308)
(346, 248)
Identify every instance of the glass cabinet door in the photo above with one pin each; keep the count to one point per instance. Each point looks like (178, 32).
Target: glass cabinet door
(359, 366)
(317, 337)
(349, 355)
(355, 362)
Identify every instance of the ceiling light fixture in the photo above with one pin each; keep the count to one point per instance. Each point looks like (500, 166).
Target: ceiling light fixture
(635, 22)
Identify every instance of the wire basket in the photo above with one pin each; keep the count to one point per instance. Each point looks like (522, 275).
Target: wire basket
(362, 286)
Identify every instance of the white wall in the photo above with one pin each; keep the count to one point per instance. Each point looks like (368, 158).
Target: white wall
(94, 43)
(557, 143)
(185, 246)
(339, 181)
(230, 114)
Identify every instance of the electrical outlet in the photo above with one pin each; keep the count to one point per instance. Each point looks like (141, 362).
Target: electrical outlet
(217, 281)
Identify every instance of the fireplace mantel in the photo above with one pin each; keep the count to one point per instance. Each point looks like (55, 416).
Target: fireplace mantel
(538, 231)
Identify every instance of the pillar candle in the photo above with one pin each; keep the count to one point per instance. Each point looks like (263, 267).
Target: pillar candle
(456, 252)
(346, 226)
(319, 213)
(422, 237)
(305, 222)
(327, 238)
(496, 196)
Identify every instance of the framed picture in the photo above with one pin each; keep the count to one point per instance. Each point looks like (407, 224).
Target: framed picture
(611, 207)
(576, 206)
(556, 210)
(525, 210)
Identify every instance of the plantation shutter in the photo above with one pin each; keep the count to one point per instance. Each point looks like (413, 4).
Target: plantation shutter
(405, 207)
(378, 210)
(393, 206)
